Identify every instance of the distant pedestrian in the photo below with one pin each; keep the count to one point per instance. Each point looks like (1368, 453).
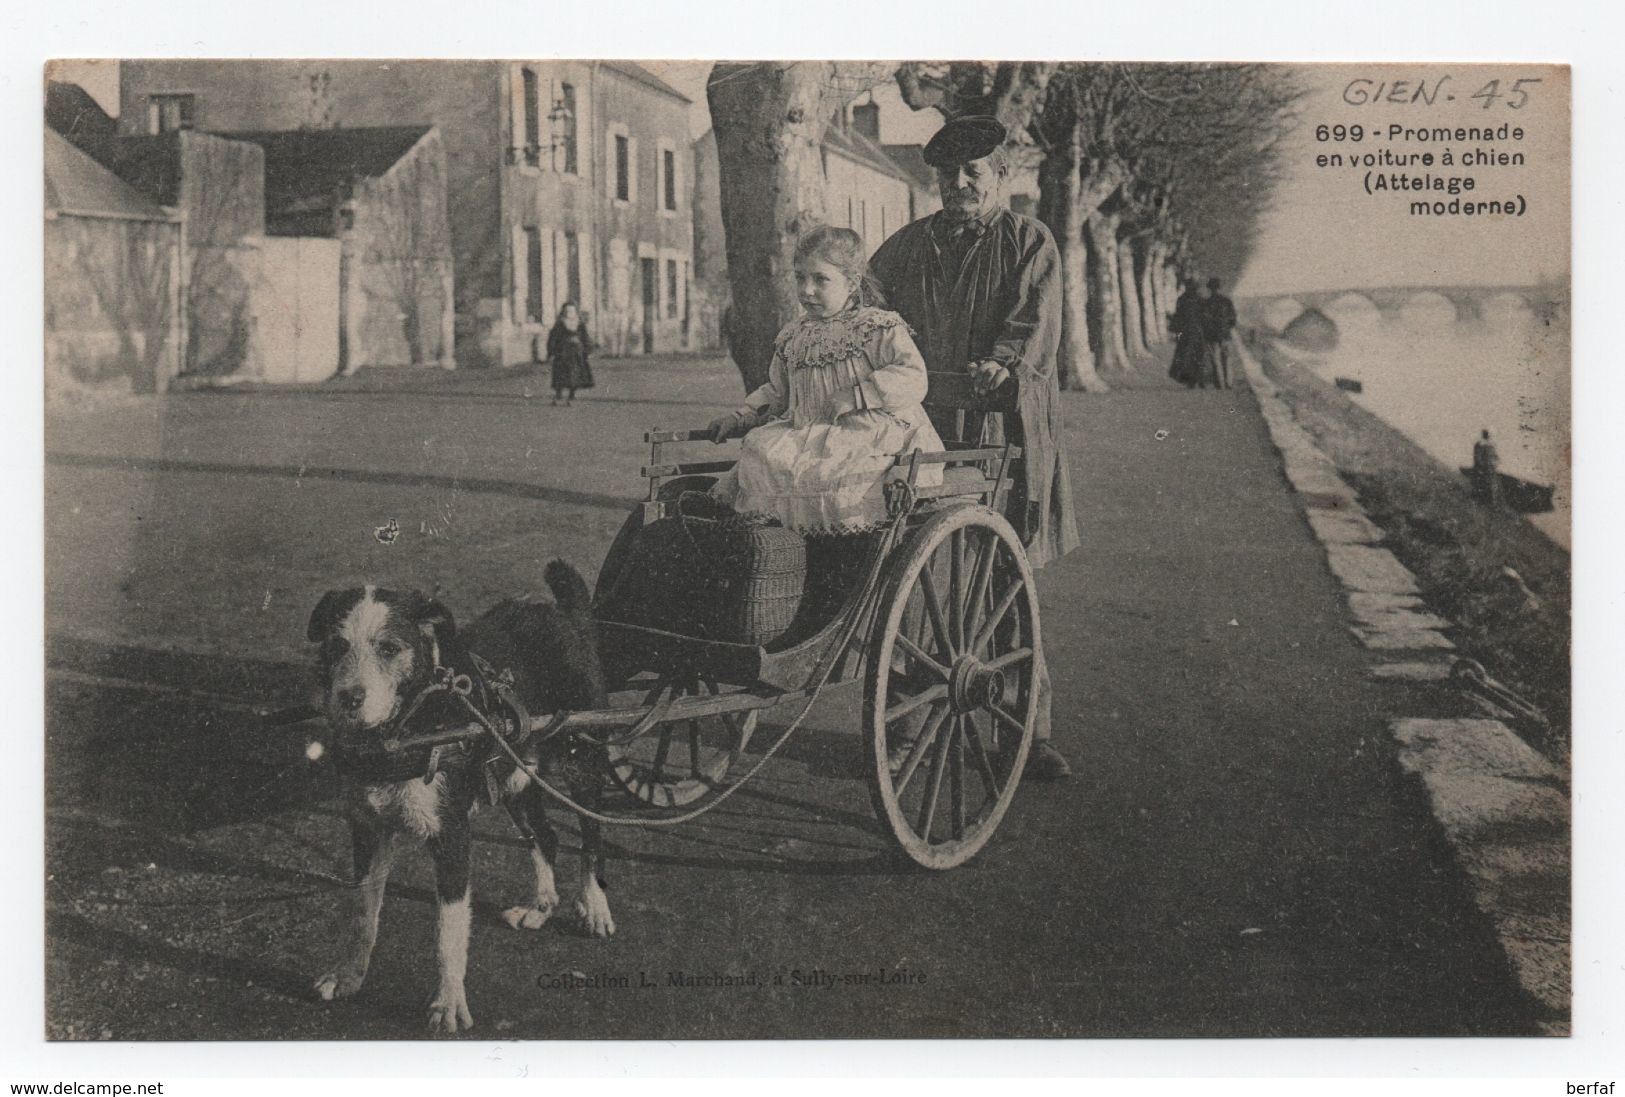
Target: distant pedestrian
(1486, 471)
(568, 346)
(1186, 324)
(1218, 322)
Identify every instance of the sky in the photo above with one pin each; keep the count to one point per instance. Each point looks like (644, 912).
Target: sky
(1325, 231)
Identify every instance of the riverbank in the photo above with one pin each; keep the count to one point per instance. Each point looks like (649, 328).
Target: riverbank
(1504, 583)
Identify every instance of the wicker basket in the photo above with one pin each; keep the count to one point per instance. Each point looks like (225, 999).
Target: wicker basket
(708, 572)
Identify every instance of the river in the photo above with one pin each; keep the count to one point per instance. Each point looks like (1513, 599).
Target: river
(1440, 380)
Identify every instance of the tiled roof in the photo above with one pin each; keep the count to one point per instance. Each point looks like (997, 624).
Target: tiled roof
(73, 112)
(307, 172)
(76, 183)
(911, 158)
(644, 76)
(856, 146)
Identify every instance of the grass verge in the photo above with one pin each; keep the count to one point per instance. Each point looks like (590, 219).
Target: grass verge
(1504, 583)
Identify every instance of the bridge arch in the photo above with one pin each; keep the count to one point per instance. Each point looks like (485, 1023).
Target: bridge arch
(1353, 310)
(1280, 312)
(1429, 307)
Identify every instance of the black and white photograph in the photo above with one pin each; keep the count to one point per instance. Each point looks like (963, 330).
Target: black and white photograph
(733, 550)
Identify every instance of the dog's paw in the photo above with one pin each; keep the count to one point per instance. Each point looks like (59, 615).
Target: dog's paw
(449, 1012)
(338, 984)
(529, 917)
(592, 908)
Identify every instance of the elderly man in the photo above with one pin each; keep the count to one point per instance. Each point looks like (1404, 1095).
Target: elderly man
(981, 287)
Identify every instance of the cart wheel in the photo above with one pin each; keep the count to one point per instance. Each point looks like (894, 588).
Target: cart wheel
(949, 698)
(678, 762)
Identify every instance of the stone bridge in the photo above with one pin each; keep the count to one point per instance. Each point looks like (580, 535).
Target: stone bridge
(1468, 302)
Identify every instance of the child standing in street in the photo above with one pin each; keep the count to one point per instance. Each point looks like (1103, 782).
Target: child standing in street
(567, 349)
(843, 394)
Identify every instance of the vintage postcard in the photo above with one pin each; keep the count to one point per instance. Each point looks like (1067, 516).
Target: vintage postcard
(665, 550)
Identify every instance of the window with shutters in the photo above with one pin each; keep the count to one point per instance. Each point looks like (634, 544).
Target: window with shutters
(572, 267)
(669, 168)
(533, 119)
(671, 289)
(623, 168)
(168, 113)
(567, 96)
(533, 275)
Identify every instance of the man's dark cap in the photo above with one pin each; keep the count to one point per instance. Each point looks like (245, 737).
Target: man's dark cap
(969, 138)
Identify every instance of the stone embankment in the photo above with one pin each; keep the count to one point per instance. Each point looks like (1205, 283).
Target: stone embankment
(1502, 804)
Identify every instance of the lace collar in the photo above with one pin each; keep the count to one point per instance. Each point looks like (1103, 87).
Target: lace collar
(822, 341)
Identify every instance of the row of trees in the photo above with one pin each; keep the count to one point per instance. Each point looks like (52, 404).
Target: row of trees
(1146, 172)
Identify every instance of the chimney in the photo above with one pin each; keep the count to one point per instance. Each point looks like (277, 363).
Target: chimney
(866, 120)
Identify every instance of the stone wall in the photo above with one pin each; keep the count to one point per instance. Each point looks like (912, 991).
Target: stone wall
(112, 317)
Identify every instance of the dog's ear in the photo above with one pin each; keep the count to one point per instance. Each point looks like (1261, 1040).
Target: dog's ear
(329, 611)
(431, 616)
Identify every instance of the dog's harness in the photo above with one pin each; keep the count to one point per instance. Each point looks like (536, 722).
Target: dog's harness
(391, 754)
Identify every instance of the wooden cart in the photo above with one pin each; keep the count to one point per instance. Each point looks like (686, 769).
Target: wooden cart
(941, 635)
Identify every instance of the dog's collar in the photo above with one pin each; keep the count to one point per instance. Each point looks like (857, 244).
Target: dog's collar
(391, 753)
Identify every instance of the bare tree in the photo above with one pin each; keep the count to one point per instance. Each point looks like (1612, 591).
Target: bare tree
(130, 273)
(1191, 154)
(222, 194)
(1073, 180)
(1011, 91)
(770, 119)
(409, 243)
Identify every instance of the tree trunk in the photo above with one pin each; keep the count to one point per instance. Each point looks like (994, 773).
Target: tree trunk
(1058, 206)
(769, 122)
(1105, 309)
(1152, 293)
(1129, 290)
(770, 119)
(1151, 324)
(1167, 287)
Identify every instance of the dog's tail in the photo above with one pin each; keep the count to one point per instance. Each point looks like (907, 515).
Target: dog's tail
(569, 588)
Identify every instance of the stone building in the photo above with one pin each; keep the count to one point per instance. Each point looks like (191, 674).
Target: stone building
(568, 180)
(217, 187)
(865, 189)
(381, 194)
(113, 317)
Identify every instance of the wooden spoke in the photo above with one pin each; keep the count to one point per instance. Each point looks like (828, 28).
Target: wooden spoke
(980, 582)
(642, 761)
(694, 768)
(1010, 659)
(939, 766)
(933, 609)
(662, 748)
(984, 764)
(1007, 720)
(928, 735)
(1000, 608)
(921, 657)
(962, 586)
(904, 707)
(956, 779)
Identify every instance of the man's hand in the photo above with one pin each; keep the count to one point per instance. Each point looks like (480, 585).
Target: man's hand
(987, 376)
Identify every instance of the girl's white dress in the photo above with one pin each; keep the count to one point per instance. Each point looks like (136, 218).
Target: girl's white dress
(843, 395)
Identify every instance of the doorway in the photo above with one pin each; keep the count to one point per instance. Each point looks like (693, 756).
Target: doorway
(650, 273)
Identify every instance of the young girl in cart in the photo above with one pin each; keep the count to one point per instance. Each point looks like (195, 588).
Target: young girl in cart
(843, 395)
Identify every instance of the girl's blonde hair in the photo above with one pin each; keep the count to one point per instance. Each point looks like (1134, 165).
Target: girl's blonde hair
(843, 250)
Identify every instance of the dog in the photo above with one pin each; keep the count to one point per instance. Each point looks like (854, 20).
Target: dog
(379, 649)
